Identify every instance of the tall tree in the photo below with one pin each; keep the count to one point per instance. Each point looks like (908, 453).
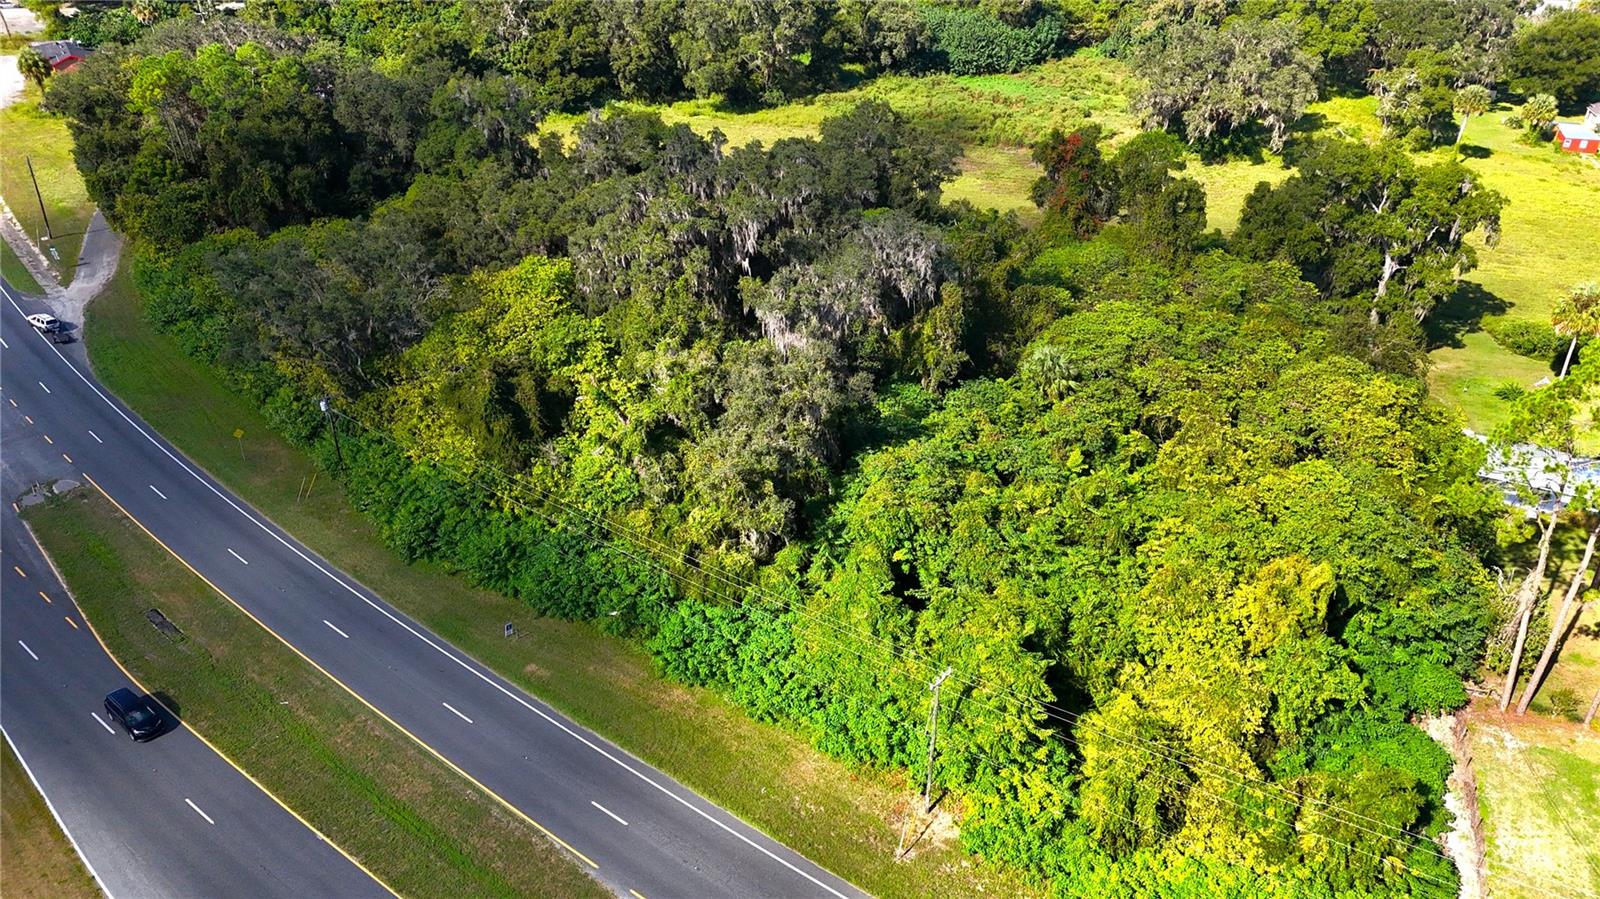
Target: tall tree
(1370, 226)
(1559, 56)
(1214, 81)
(1474, 99)
(1559, 625)
(33, 66)
(1577, 314)
(1538, 114)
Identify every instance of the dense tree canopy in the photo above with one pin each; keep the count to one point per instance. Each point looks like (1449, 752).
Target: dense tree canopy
(1176, 508)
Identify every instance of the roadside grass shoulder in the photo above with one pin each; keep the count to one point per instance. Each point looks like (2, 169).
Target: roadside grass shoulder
(31, 133)
(15, 273)
(844, 818)
(34, 854)
(1539, 790)
(412, 821)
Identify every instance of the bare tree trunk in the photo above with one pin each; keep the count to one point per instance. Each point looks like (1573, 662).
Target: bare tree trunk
(1527, 594)
(1567, 362)
(1593, 707)
(1558, 627)
(1463, 132)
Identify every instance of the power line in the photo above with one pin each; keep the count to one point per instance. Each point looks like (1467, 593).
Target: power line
(1049, 710)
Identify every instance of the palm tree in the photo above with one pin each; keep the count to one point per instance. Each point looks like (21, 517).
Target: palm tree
(1539, 112)
(34, 66)
(1577, 314)
(1474, 99)
(1049, 368)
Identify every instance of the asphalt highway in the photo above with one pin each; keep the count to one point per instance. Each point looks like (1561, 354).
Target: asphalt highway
(637, 830)
(159, 819)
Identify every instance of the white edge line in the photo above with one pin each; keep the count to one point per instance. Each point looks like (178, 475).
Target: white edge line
(96, 717)
(458, 713)
(95, 436)
(236, 555)
(57, 815)
(198, 811)
(27, 650)
(414, 632)
(613, 814)
(335, 629)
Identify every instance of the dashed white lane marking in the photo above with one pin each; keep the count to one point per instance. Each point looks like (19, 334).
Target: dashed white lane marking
(502, 688)
(158, 492)
(67, 457)
(4, 344)
(613, 814)
(458, 714)
(27, 650)
(236, 555)
(96, 437)
(48, 440)
(198, 812)
(26, 418)
(19, 571)
(41, 385)
(335, 629)
(101, 723)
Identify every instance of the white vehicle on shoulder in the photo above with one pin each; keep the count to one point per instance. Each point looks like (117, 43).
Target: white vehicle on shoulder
(44, 324)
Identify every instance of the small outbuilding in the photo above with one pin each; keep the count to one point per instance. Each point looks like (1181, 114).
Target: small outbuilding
(62, 55)
(1591, 116)
(1575, 137)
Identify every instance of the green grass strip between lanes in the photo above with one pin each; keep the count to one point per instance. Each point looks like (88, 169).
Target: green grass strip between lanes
(417, 825)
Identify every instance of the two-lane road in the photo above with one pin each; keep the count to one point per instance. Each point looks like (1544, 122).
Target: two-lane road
(636, 829)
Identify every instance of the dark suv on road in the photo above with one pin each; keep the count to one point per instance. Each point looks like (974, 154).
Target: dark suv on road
(136, 714)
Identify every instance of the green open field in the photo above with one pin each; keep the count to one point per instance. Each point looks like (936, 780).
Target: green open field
(416, 824)
(31, 134)
(841, 817)
(1539, 787)
(995, 118)
(1547, 244)
(35, 858)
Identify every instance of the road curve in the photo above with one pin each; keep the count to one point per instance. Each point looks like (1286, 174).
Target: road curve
(637, 830)
(159, 819)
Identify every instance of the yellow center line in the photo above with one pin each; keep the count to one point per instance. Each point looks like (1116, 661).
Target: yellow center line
(44, 597)
(71, 622)
(347, 688)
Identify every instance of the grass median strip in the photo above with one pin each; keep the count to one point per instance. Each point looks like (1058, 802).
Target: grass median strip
(410, 820)
(34, 853)
(840, 817)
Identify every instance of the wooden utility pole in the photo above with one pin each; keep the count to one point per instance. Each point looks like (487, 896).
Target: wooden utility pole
(933, 727)
(48, 235)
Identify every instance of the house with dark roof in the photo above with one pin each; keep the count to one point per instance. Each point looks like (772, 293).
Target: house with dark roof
(62, 55)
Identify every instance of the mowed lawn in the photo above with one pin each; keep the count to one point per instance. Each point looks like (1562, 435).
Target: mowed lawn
(27, 132)
(995, 118)
(35, 857)
(1539, 788)
(844, 818)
